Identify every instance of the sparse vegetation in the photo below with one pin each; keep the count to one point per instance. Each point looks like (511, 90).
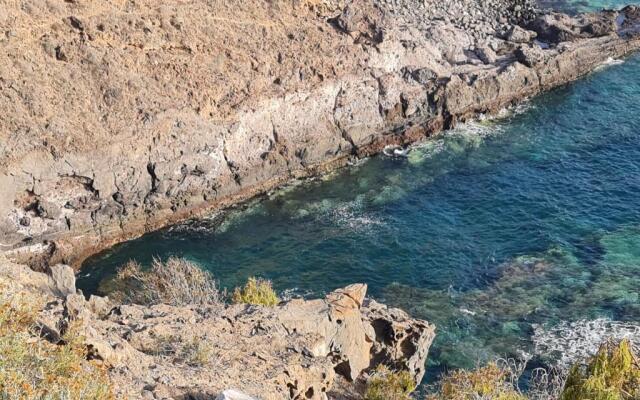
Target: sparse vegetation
(33, 369)
(612, 374)
(176, 282)
(385, 384)
(256, 291)
(195, 353)
(491, 382)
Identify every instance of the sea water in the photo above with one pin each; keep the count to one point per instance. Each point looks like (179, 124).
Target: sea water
(517, 236)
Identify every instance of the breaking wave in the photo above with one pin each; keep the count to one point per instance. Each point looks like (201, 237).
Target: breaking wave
(571, 342)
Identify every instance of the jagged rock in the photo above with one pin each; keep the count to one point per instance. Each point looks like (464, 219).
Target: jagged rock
(517, 34)
(64, 279)
(529, 55)
(603, 24)
(99, 305)
(486, 54)
(75, 306)
(399, 340)
(554, 28)
(293, 350)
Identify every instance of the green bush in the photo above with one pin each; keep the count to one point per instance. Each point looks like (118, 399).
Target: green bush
(385, 384)
(176, 282)
(256, 291)
(612, 374)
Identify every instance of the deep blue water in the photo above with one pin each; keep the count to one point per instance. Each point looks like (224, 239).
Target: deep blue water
(489, 230)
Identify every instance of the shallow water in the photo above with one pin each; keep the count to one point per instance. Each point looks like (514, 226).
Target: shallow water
(576, 6)
(502, 232)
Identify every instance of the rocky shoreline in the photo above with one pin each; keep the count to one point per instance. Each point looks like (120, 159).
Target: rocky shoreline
(298, 349)
(120, 122)
(121, 119)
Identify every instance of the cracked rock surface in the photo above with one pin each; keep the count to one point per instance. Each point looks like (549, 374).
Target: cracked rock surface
(123, 117)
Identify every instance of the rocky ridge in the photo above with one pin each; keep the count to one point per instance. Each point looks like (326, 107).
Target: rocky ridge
(300, 349)
(121, 118)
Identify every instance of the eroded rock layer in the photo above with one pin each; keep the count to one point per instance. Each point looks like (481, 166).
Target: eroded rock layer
(122, 117)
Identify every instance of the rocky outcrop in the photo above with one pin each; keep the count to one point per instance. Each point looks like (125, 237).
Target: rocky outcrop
(117, 121)
(300, 349)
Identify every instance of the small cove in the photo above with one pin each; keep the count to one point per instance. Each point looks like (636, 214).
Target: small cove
(498, 232)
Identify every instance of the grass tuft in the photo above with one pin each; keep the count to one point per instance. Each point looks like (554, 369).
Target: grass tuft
(256, 291)
(385, 384)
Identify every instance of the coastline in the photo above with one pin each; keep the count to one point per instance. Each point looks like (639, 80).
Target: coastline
(82, 203)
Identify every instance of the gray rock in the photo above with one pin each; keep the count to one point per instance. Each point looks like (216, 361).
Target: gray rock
(99, 305)
(486, 55)
(398, 339)
(554, 28)
(529, 55)
(233, 395)
(64, 279)
(519, 35)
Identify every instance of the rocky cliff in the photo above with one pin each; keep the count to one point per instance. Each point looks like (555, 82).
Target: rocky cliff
(299, 349)
(122, 117)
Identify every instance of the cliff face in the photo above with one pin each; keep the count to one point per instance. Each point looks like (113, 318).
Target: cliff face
(299, 349)
(122, 117)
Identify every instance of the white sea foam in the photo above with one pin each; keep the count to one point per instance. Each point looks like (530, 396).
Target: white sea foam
(296, 293)
(571, 342)
(352, 216)
(609, 62)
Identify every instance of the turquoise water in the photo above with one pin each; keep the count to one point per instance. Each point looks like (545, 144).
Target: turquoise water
(575, 6)
(491, 231)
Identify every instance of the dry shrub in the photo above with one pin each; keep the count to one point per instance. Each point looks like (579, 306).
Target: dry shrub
(385, 384)
(33, 369)
(195, 353)
(176, 282)
(490, 382)
(612, 374)
(256, 291)
(546, 383)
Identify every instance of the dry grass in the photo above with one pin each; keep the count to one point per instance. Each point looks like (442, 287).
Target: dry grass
(177, 282)
(490, 382)
(385, 384)
(33, 369)
(194, 353)
(256, 291)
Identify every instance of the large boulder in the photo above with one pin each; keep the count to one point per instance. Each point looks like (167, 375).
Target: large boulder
(517, 34)
(64, 279)
(529, 55)
(400, 341)
(554, 28)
